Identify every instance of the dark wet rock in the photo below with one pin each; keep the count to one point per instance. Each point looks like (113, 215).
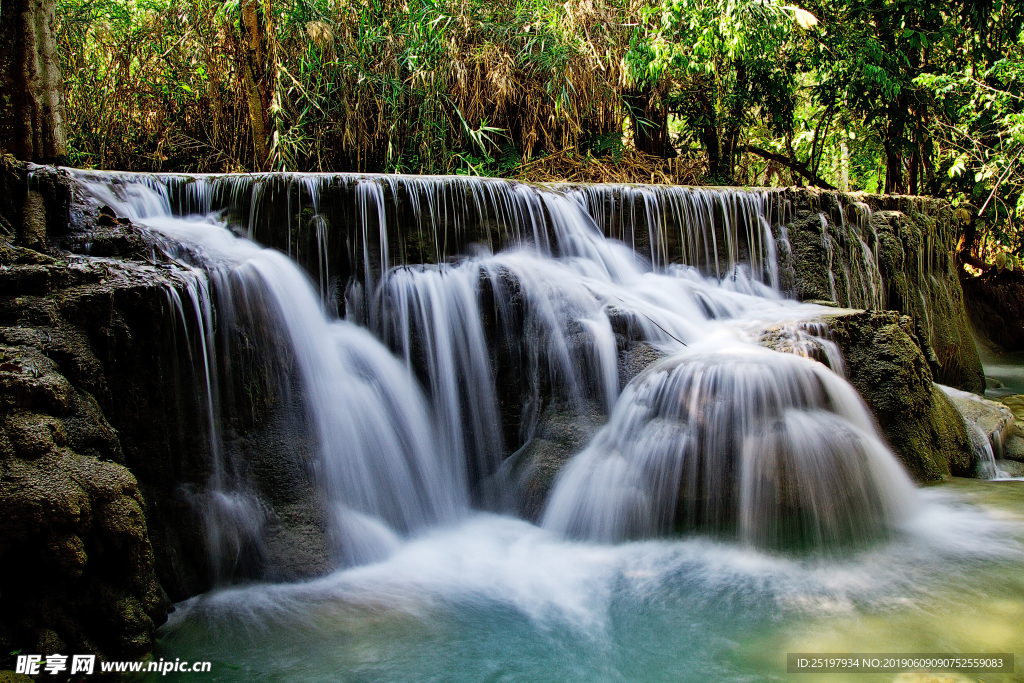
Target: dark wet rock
(995, 302)
(298, 541)
(105, 234)
(74, 548)
(77, 566)
(561, 433)
(115, 240)
(35, 202)
(886, 364)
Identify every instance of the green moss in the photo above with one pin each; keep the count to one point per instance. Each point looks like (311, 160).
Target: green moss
(886, 364)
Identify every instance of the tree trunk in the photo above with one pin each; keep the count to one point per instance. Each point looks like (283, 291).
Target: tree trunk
(254, 78)
(650, 124)
(734, 126)
(844, 164)
(31, 106)
(894, 183)
(718, 167)
(914, 173)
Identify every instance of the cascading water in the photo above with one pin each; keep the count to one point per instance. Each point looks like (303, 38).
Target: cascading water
(771, 448)
(378, 461)
(696, 444)
(437, 374)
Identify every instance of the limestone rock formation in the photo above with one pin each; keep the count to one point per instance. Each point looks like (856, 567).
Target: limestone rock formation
(76, 562)
(77, 568)
(824, 255)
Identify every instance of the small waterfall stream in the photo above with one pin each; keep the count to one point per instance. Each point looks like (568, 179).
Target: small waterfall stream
(773, 448)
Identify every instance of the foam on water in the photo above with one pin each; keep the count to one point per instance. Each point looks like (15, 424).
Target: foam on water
(493, 579)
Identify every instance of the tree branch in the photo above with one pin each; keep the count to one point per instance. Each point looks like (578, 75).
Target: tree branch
(802, 169)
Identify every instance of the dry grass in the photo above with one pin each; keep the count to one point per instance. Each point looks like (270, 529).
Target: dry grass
(362, 85)
(632, 167)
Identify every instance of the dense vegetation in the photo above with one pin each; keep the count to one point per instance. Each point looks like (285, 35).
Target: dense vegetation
(903, 96)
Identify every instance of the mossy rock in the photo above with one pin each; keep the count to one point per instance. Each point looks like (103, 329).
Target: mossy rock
(886, 364)
(822, 256)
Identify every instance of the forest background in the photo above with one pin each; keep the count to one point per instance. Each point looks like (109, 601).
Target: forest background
(896, 96)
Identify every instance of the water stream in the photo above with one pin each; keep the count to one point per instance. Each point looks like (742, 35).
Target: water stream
(738, 502)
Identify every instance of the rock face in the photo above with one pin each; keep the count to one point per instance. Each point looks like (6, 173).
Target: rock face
(887, 363)
(883, 253)
(995, 302)
(76, 563)
(89, 416)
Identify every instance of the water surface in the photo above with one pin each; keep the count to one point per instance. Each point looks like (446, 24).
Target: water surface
(498, 599)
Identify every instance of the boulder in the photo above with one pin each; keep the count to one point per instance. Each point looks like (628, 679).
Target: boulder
(1013, 449)
(77, 567)
(886, 363)
(1015, 403)
(991, 419)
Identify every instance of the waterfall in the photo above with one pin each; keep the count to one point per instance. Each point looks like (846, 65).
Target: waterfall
(768, 447)
(436, 317)
(378, 459)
